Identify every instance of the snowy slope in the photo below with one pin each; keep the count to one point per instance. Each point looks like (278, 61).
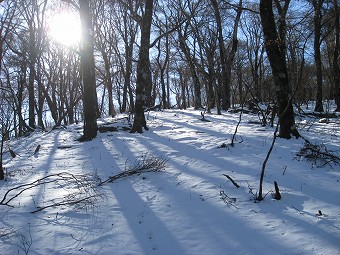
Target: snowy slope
(188, 207)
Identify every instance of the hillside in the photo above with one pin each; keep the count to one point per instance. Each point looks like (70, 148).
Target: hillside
(185, 205)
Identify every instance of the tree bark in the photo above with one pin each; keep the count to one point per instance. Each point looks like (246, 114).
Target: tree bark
(336, 67)
(143, 83)
(90, 102)
(279, 71)
(317, 4)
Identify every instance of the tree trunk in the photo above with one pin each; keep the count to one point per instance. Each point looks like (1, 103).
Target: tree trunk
(108, 83)
(192, 67)
(90, 102)
(279, 70)
(2, 174)
(41, 97)
(127, 76)
(336, 68)
(31, 97)
(226, 62)
(163, 67)
(317, 53)
(183, 85)
(231, 56)
(143, 84)
(225, 104)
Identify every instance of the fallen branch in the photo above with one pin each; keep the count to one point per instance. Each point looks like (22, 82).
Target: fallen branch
(232, 181)
(319, 154)
(80, 187)
(148, 163)
(65, 202)
(228, 200)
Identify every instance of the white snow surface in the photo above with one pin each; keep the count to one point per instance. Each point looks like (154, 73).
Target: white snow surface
(188, 207)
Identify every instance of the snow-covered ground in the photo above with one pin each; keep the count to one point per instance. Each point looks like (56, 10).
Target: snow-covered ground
(189, 207)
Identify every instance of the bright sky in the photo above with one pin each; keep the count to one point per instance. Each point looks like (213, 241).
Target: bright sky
(64, 28)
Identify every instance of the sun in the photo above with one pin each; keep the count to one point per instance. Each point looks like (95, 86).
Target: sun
(64, 28)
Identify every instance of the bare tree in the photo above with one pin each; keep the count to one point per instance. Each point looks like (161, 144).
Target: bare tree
(163, 63)
(143, 71)
(252, 30)
(127, 25)
(105, 42)
(88, 73)
(317, 22)
(226, 61)
(279, 71)
(33, 13)
(336, 65)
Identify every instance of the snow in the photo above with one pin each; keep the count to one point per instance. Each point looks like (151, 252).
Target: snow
(188, 207)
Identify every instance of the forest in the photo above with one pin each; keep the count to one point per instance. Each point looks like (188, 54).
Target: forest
(133, 55)
(167, 126)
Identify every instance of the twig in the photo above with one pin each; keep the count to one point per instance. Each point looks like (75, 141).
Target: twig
(65, 203)
(260, 196)
(316, 153)
(147, 164)
(232, 181)
(239, 120)
(80, 182)
(228, 200)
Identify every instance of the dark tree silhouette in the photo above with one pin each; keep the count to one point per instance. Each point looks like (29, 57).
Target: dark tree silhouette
(143, 70)
(336, 66)
(88, 73)
(317, 20)
(279, 71)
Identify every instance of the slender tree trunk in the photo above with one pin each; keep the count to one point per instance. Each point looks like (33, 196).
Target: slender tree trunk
(143, 71)
(232, 54)
(163, 68)
(225, 101)
(336, 68)
(108, 83)
(192, 67)
(90, 102)
(317, 53)
(2, 174)
(226, 62)
(41, 97)
(21, 83)
(127, 76)
(279, 70)
(31, 97)
(183, 90)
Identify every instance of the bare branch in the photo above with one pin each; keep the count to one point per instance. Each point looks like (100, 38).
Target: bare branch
(71, 2)
(167, 33)
(148, 163)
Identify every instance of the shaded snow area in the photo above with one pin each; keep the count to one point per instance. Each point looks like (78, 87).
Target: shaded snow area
(188, 207)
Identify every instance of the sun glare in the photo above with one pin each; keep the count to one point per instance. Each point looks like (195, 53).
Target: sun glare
(64, 28)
